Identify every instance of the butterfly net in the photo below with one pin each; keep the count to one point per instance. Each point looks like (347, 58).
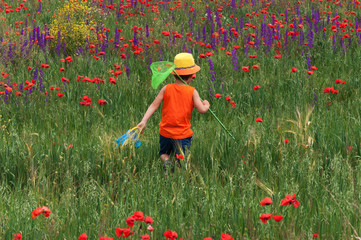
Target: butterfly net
(133, 136)
(160, 71)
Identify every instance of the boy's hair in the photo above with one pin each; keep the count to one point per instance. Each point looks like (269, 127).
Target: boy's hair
(184, 77)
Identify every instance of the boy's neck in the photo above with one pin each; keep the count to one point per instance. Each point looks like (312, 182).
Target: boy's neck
(180, 82)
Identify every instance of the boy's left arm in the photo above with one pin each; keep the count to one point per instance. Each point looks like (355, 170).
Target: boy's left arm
(152, 108)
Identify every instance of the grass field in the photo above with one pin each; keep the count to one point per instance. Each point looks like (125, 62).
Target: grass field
(54, 152)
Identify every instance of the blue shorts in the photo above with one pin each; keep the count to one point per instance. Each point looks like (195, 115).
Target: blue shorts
(170, 145)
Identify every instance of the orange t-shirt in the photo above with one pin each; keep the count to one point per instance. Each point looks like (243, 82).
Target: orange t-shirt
(176, 112)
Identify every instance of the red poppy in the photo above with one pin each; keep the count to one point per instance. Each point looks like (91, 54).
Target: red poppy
(289, 200)
(226, 237)
(69, 59)
(145, 237)
(236, 47)
(130, 221)
(123, 232)
(64, 79)
(228, 53)
(202, 56)
(255, 67)
(83, 236)
(91, 46)
(327, 90)
(44, 65)
(156, 41)
(148, 220)
(251, 43)
(315, 235)
(112, 80)
(62, 69)
(245, 69)
(208, 54)
(46, 211)
(217, 95)
(170, 235)
(17, 93)
(18, 236)
(256, 87)
(116, 73)
(228, 98)
(101, 53)
(277, 218)
(150, 228)
(233, 104)
(123, 56)
(287, 140)
(340, 81)
(278, 56)
(106, 238)
(29, 68)
(102, 102)
(95, 57)
(313, 68)
(294, 70)
(265, 217)
(207, 238)
(259, 119)
(179, 156)
(60, 94)
(138, 216)
(116, 66)
(266, 201)
(334, 91)
(309, 72)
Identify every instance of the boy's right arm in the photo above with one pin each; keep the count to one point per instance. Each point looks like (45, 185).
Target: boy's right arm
(152, 108)
(202, 107)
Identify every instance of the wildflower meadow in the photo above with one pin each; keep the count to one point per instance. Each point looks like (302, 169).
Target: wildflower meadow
(282, 76)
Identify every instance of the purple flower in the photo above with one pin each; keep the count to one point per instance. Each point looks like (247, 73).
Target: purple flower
(234, 59)
(213, 73)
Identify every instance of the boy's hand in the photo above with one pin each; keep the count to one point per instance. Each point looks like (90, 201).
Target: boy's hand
(206, 104)
(142, 126)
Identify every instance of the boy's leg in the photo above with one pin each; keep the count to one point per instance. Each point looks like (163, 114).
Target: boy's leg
(165, 151)
(164, 157)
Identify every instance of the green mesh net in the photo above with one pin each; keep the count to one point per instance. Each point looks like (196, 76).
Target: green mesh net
(160, 71)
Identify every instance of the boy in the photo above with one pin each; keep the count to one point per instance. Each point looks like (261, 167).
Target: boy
(178, 100)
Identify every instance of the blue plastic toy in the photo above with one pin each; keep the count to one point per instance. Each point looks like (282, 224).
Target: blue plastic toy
(133, 136)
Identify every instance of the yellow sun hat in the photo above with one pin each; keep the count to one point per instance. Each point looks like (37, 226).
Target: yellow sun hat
(185, 65)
